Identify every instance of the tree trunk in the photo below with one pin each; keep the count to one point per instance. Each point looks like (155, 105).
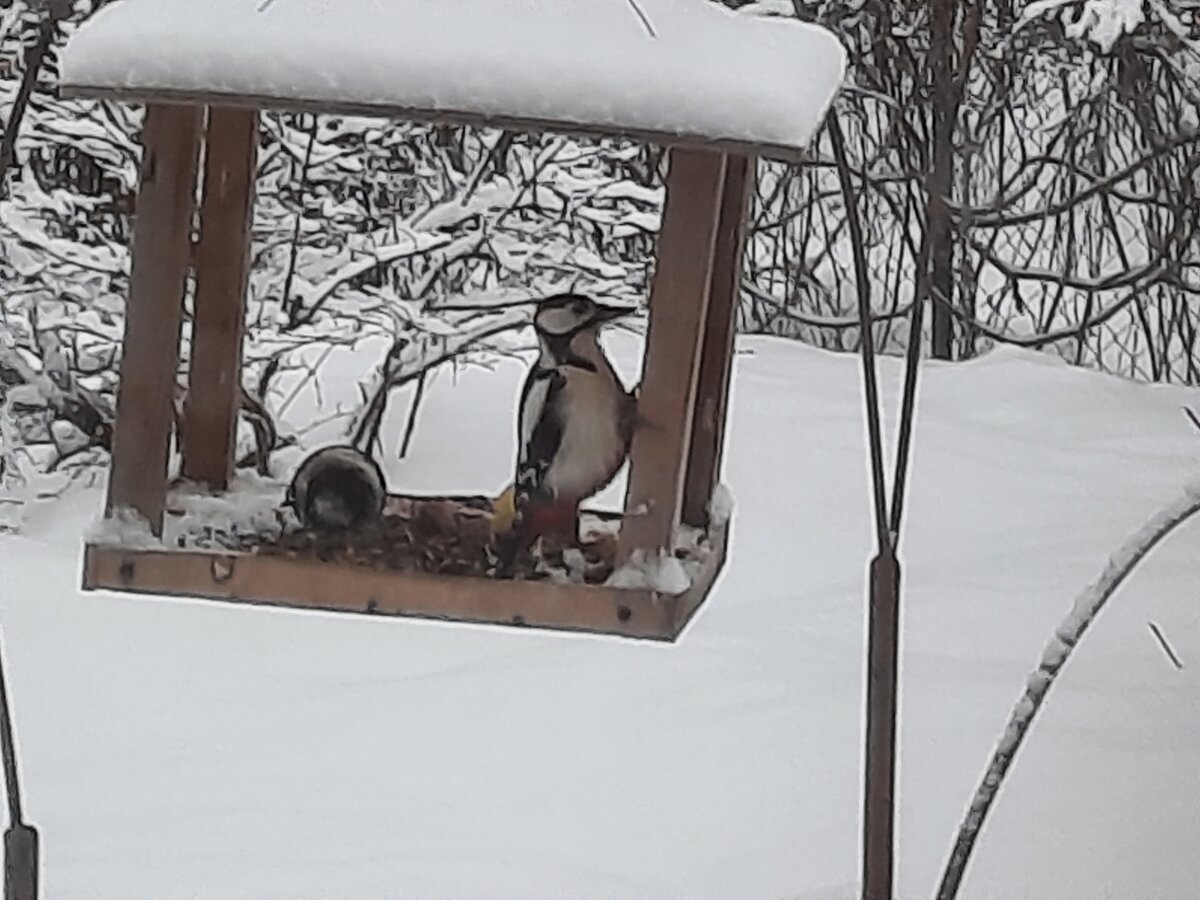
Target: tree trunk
(941, 257)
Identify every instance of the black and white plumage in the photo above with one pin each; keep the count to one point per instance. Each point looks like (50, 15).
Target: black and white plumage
(576, 417)
(338, 488)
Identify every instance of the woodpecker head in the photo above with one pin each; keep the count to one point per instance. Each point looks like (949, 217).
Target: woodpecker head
(567, 323)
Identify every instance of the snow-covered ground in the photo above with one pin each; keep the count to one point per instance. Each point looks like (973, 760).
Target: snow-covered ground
(189, 750)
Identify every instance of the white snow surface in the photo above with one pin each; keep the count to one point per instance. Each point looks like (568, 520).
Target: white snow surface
(677, 67)
(188, 749)
(660, 572)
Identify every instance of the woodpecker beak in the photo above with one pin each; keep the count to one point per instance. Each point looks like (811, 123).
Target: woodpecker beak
(605, 313)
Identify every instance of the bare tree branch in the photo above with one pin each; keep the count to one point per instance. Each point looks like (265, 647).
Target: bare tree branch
(1058, 651)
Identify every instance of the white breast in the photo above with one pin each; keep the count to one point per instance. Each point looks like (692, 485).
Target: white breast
(592, 448)
(531, 412)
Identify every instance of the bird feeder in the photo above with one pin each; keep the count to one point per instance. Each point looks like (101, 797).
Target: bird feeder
(718, 90)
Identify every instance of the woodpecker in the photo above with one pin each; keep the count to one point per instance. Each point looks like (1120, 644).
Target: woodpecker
(576, 419)
(338, 488)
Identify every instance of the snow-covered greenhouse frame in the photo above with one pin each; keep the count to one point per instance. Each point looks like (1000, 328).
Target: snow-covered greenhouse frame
(203, 90)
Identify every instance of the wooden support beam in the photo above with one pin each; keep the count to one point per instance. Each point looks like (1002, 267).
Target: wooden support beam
(154, 312)
(678, 310)
(716, 355)
(222, 260)
(789, 153)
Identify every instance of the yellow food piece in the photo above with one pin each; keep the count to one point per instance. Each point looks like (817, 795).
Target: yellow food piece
(504, 511)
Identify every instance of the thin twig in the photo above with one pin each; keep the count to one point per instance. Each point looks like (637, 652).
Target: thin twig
(641, 14)
(1191, 414)
(395, 376)
(1166, 647)
(838, 323)
(411, 425)
(1067, 636)
(304, 380)
(1036, 342)
(292, 305)
(994, 216)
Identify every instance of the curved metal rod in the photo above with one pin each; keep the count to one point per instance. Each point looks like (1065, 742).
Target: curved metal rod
(866, 333)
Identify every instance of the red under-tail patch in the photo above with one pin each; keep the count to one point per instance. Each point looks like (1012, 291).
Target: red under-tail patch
(558, 517)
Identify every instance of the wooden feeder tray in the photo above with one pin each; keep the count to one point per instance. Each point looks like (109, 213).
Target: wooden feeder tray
(426, 560)
(192, 237)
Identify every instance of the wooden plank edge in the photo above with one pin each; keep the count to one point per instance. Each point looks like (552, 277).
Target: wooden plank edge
(785, 153)
(591, 609)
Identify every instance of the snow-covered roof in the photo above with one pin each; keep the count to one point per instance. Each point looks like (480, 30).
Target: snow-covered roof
(668, 71)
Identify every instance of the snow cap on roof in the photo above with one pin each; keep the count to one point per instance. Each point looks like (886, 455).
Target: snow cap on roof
(671, 71)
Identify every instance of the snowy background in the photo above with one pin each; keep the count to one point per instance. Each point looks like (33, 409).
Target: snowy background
(1052, 157)
(181, 750)
(178, 749)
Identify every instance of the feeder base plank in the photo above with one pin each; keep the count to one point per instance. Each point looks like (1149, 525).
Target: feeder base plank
(342, 587)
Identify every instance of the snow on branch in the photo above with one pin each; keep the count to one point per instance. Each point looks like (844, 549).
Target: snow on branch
(831, 322)
(1037, 341)
(1058, 651)
(311, 300)
(1000, 215)
(1103, 22)
(412, 356)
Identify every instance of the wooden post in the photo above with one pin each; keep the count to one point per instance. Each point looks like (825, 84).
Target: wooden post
(678, 309)
(716, 356)
(154, 312)
(222, 262)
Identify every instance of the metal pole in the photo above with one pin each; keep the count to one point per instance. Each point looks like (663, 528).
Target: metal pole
(21, 843)
(879, 780)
